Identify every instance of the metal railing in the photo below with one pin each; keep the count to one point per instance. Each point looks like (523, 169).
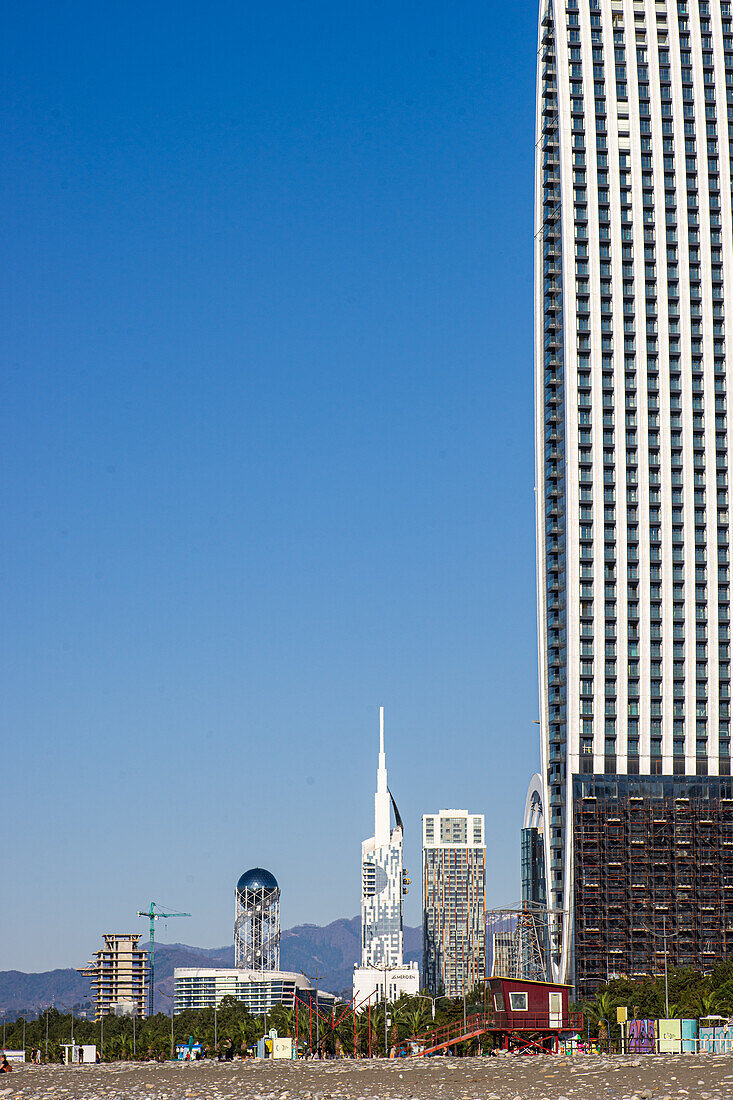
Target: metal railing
(476, 1025)
(537, 1021)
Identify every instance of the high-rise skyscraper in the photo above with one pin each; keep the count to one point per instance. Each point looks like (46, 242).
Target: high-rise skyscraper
(634, 289)
(383, 883)
(454, 902)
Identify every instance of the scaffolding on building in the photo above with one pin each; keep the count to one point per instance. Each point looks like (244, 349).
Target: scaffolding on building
(653, 875)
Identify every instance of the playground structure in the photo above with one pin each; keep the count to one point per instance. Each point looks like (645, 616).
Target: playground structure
(524, 1016)
(310, 1019)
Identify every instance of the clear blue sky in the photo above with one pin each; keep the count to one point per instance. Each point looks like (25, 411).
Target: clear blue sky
(267, 451)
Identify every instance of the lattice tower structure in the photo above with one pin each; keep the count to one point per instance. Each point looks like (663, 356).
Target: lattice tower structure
(257, 922)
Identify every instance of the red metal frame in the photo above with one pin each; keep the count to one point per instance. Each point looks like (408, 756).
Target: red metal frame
(526, 1031)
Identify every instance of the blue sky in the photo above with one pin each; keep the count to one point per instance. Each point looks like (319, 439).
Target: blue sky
(267, 448)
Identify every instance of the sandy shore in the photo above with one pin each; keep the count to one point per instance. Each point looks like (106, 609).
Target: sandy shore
(692, 1077)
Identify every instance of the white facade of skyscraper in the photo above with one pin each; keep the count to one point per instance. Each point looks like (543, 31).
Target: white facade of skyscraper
(634, 315)
(382, 888)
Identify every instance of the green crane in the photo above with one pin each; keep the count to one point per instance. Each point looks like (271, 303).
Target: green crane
(154, 916)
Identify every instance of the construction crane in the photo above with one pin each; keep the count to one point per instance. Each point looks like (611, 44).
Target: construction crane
(154, 915)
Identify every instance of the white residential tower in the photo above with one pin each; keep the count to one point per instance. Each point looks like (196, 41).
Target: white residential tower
(634, 321)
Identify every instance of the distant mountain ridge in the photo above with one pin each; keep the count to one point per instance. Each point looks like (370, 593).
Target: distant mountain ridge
(333, 948)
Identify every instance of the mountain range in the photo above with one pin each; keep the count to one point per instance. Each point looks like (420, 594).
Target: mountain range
(333, 948)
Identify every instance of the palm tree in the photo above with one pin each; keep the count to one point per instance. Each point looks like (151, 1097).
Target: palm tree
(707, 1004)
(415, 1017)
(362, 1032)
(601, 1013)
(378, 1014)
(242, 1032)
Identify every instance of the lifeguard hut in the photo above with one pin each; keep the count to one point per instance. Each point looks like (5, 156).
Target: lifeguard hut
(530, 1015)
(526, 1016)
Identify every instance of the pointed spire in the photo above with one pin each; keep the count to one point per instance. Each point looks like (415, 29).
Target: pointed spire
(381, 798)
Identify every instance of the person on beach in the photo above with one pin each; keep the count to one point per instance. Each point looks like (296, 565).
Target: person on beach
(5, 1066)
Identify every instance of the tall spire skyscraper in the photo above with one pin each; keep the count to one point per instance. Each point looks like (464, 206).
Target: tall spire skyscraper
(381, 877)
(383, 883)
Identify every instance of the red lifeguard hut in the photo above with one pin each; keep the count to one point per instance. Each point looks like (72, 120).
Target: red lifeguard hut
(531, 1016)
(524, 1016)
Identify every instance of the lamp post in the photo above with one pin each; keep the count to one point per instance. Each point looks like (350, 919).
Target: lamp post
(426, 997)
(315, 977)
(463, 972)
(666, 986)
(71, 1009)
(652, 928)
(170, 997)
(216, 1034)
(383, 970)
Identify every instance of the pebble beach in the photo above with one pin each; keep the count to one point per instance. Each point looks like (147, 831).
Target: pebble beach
(660, 1077)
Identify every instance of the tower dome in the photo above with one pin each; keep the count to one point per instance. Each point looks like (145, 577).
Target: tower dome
(257, 879)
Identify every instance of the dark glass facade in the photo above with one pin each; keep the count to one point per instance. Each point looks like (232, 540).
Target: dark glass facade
(652, 868)
(533, 867)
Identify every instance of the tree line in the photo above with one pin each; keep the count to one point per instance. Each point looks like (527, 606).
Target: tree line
(690, 994)
(334, 1034)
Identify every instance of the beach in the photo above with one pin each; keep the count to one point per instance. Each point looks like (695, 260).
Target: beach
(585, 1077)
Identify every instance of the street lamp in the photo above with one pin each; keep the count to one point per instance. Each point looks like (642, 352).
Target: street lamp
(170, 998)
(383, 970)
(426, 997)
(71, 1009)
(315, 977)
(666, 987)
(652, 929)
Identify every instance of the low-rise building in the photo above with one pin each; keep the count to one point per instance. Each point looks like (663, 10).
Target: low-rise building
(372, 984)
(258, 990)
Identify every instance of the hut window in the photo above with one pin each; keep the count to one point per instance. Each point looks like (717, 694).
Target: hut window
(518, 1002)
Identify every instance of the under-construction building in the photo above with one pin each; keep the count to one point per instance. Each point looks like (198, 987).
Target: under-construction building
(119, 974)
(655, 863)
